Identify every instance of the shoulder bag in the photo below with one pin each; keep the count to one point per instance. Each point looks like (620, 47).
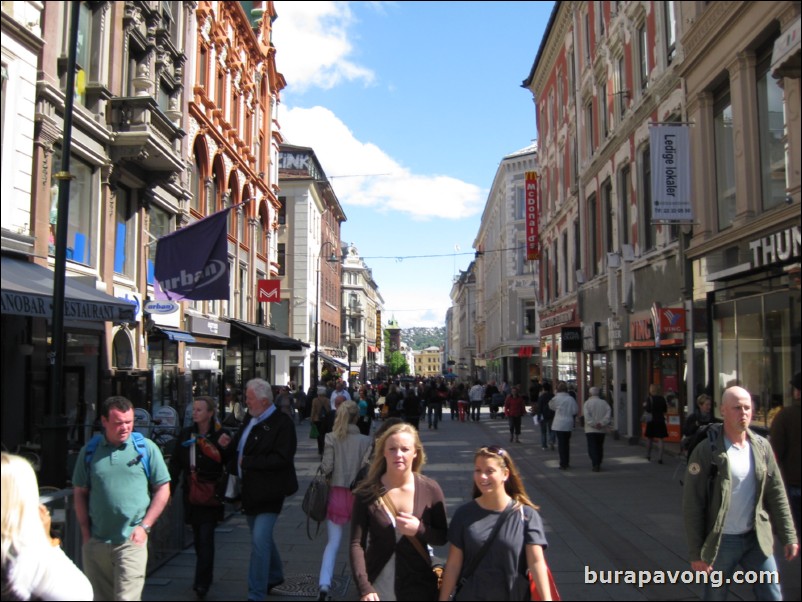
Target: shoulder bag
(316, 501)
(201, 493)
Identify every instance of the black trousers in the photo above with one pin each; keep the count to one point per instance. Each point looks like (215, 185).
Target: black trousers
(595, 448)
(204, 551)
(564, 447)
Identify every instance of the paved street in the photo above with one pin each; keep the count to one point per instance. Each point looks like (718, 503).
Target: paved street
(628, 517)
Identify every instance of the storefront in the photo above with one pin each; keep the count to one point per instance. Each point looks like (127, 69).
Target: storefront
(560, 345)
(755, 325)
(204, 357)
(256, 351)
(657, 346)
(26, 326)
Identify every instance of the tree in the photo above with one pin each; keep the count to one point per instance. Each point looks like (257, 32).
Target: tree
(398, 364)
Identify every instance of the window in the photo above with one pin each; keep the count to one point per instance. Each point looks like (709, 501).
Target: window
(83, 216)
(648, 231)
(220, 89)
(725, 158)
(125, 234)
(282, 211)
(589, 137)
(530, 317)
(520, 202)
(771, 124)
(564, 261)
(160, 224)
(621, 92)
(603, 113)
(282, 259)
(593, 251)
(623, 205)
(546, 273)
(671, 31)
(586, 19)
(203, 69)
(607, 216)
(195, 179)
(643, 57)
(243, 288)
(577, 247)
(171, 14)
(87, 52)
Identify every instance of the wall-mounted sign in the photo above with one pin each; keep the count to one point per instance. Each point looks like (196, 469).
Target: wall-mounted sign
(570, 339)
(269, 291)
(161, 307)
(532, 216)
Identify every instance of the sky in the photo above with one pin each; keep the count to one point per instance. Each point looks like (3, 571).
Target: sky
(409, 107)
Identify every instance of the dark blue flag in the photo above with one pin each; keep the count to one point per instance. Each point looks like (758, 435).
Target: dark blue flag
(192, 263)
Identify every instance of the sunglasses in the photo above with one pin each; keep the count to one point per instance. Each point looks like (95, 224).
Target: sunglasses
(495, 449)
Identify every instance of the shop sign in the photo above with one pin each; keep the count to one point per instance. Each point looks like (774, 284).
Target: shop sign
(532, 216)
(198, 325)
(161, 307)
(558, 318)
(615, 331)
(269, 291)
(778, 247)
(570, 339)
(590, 341)
(672, 320)
(641, 329)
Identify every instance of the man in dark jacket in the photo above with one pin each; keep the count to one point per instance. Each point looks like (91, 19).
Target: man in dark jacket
(262, 453)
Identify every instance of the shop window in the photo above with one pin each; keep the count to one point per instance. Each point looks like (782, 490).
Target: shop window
(83, 215)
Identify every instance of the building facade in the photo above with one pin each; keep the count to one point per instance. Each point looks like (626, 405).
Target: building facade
(508, 290)
(428, 362)
(741, 69)
(309, 222)
(362, 305)
(605, 71)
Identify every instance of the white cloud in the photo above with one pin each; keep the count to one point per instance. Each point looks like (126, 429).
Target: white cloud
(374, 179)
(313, 45)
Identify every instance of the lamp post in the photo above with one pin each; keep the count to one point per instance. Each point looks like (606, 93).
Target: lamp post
(332, 258)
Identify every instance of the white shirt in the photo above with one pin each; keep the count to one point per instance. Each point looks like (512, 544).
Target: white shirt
(741, 515)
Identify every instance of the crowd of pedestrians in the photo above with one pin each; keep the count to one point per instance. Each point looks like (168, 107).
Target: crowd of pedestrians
(379, 499)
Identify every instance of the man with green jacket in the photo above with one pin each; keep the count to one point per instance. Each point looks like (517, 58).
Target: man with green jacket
(733, 496)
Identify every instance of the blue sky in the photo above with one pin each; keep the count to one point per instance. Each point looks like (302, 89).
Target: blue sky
(409, 106)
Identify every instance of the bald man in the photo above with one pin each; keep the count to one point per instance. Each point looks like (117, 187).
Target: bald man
(733, 496)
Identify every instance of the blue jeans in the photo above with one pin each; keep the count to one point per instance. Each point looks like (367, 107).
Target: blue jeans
(265, 565)
(745, 551)
(547, 436)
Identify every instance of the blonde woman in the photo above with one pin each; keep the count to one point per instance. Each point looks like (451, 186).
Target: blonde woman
(342, 458)
(397, 513)
(33, 568)
(502, 514)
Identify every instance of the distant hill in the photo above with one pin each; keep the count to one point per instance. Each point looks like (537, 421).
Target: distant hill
(420, 338)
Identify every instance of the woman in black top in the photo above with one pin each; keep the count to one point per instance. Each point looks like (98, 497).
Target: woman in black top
(201, 437)
(656, 428)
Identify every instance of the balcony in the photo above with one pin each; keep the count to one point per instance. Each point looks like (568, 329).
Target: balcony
(144, 135)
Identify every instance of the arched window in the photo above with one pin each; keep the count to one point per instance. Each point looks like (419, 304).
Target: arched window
(122, 356)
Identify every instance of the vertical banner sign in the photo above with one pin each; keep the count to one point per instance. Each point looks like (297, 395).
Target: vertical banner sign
(379, 337)
(532, 216)
(192, 263)
(671, 173)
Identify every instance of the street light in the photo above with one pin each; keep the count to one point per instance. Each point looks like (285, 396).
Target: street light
(332, 259)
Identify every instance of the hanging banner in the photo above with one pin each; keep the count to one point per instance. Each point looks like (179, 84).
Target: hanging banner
(192, 263)
(532, 216)
(671, 173)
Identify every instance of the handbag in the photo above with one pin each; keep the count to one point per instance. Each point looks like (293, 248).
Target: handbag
(437, 569)
(316, 501)
(646, 417)
(201, 493)
(313, 432)
(555, 595)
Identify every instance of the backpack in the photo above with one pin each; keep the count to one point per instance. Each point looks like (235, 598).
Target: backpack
(138, 440)
(711, 432)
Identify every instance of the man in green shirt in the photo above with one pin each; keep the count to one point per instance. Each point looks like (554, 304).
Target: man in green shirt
(119, 493)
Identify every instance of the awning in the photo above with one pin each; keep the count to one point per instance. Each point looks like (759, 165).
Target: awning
(373, 349)
(27, 290)
(327, 358)
(180, 336)
(275, 339)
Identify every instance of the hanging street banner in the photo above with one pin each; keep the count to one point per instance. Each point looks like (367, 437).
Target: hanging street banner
(671, 173)
(532, 216)
(192, 263)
